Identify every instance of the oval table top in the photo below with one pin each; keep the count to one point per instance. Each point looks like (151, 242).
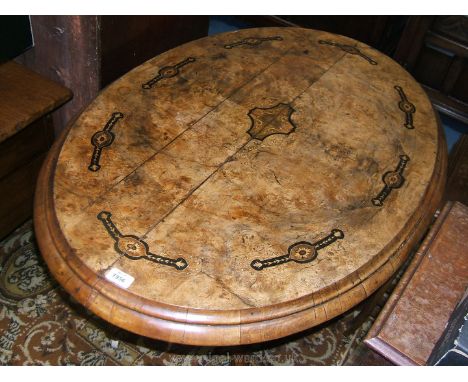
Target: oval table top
(241, 187)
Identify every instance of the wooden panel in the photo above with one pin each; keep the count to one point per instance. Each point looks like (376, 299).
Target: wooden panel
(452, 78)
(412, 40)
(128, 41)
(431, 67)
(457, 182)
(17, 190)
(24, 97)
(417, 312)
(433, 49)
(456, 48)
(66, 51)
(460, 87)
(453, 27)
(19, 149)
(448, 105)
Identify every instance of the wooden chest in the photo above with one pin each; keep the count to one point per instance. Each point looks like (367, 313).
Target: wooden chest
(26, 134)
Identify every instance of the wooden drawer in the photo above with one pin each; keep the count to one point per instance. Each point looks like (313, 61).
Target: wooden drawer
(22, 147)
(17, 192)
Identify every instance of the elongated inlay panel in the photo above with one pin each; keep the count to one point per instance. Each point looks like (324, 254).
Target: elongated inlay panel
(167, 72)
(102, 139)
(392, 180)
(406, 107)
(349, 49)
(252, 41)
(133, 247)
(300, 252)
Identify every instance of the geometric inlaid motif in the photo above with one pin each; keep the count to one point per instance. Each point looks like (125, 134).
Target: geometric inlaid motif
(300, 252)
(271, 120)
(101, 139)
(252, 41)
(406, 107)
(167, 72)
(349, 49)
(392, 180)
(133, 247)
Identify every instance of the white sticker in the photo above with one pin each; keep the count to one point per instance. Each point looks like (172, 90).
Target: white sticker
(114, 344)
(119, 278)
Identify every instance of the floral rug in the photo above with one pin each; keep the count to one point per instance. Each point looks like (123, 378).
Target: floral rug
(40, 324)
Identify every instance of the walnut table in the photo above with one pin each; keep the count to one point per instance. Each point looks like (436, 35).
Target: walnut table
(241, 187)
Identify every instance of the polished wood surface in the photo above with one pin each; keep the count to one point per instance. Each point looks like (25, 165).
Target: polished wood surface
(417, 312)
(253, 184)
(25, 96)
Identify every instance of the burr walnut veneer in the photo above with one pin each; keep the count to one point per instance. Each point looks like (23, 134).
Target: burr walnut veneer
(241, 187)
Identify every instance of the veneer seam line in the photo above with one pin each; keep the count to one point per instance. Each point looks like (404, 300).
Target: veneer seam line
(229, 158)
(106, 191)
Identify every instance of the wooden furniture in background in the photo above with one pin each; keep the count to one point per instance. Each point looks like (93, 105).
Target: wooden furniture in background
(26, 133)
(86, 53)
(457, 172)
(242, 187)
(417, 312)
(434, 49)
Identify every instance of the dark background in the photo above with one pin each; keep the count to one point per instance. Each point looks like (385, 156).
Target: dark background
(15, 36)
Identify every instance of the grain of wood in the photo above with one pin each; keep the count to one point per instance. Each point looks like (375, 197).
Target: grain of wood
(25, 96)
(254, 183)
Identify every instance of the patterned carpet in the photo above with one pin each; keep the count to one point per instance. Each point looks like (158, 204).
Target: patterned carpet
(40, 324)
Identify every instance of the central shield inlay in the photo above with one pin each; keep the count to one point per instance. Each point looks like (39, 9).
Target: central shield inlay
(271, 120)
